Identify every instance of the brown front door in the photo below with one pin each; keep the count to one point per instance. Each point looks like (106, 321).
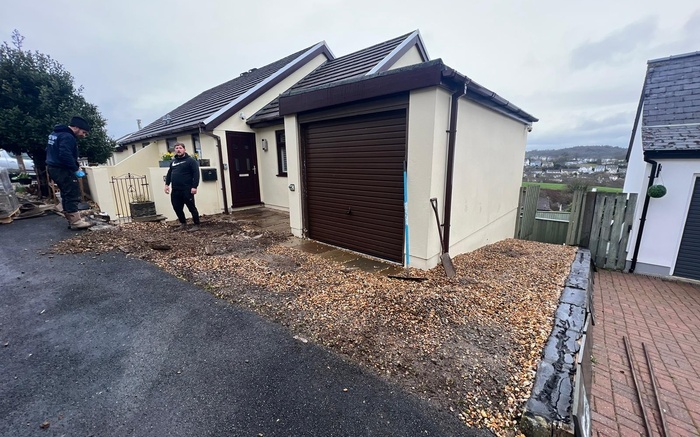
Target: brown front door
(243, 168)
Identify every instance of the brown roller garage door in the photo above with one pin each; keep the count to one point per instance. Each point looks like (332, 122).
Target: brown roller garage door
(354, 182)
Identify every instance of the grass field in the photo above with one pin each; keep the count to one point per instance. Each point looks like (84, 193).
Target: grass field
(562, 187)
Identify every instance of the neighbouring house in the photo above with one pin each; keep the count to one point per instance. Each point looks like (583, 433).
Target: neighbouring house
(665, 150)
(351, 146)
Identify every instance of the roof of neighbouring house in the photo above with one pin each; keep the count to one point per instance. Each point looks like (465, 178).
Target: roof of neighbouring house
(217, 104)
(371, 60)
(671, 104)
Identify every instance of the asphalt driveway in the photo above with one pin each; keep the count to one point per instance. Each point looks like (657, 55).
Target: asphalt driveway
(106, 345)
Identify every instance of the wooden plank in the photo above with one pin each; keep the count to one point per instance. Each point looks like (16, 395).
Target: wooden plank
(519, 219)
(605, 230)
(596, 228)
(587, 218)
(618, 223)
(629, 221)
(574, 230)
(532, 194)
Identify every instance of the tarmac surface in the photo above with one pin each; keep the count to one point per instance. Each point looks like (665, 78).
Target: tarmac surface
(105, 345)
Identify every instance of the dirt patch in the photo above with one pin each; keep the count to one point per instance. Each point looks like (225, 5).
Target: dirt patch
(469, 344)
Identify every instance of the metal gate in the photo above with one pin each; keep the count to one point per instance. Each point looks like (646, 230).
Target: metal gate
(126, 189)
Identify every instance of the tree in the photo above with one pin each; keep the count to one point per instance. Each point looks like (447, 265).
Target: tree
(37, 93)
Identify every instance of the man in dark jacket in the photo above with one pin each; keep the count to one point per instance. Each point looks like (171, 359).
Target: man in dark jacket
(184, 176)
(62, 163)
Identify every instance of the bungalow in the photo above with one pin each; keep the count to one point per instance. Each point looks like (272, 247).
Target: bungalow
(357, 149)
(665, 150)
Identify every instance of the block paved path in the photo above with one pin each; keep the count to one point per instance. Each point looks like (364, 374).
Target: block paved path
(664, 316)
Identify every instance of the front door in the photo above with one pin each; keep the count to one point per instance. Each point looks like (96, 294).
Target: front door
(243, 168)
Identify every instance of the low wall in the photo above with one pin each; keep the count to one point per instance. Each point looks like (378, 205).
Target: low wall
(558, 404)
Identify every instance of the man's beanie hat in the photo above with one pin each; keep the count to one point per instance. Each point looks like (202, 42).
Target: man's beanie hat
(80, 123)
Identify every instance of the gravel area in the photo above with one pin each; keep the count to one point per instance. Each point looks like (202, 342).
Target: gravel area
(469, 344)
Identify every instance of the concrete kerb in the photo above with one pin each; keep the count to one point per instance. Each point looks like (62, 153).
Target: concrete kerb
(550, 409)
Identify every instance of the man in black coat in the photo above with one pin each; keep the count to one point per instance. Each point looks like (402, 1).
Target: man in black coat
(184, 176)
(62, 163)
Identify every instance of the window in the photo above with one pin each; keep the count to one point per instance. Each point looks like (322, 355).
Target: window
(171, 144)
(196, 145)
(281, 153)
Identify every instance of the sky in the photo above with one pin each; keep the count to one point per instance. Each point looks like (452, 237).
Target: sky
(576, 66)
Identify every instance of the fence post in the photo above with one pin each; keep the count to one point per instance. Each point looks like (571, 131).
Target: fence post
(527, 224)
(587, 219)
(573, 233)
(629, 218)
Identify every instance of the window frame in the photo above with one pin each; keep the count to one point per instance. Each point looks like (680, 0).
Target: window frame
(282, 160)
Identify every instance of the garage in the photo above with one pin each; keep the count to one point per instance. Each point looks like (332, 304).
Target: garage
(353, 176)
(688, 261)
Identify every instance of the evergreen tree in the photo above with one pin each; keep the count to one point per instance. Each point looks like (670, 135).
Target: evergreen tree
(37, 93)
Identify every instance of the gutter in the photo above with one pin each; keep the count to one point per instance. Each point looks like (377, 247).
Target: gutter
(462, 81)
(655, 170)
(221, 164)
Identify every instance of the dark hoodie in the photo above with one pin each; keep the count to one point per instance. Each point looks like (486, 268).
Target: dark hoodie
(62, 148)
(183, 173)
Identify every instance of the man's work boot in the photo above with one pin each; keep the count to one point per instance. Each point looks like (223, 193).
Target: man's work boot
(181, 227)
(194, 227)
(76, 222)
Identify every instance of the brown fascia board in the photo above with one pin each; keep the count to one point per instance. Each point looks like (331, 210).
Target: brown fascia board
(225, 115)
(393, 81)
(427, 74)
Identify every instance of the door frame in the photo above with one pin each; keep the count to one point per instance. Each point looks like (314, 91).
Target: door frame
(250, 137)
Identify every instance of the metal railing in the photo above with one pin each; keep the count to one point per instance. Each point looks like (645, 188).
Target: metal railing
(126, 189)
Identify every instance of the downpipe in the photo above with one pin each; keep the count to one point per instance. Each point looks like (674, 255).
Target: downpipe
(655, 170)
(449, 176)
(221, 164)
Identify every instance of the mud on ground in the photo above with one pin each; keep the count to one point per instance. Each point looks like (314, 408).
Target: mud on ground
(468, 344)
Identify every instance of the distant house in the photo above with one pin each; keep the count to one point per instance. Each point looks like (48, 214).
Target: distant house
(328, 139)
(665, 149)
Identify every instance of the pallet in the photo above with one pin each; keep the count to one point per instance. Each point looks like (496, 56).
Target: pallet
(6, 218)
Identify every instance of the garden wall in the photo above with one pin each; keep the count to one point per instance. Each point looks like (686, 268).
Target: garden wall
(559, 402)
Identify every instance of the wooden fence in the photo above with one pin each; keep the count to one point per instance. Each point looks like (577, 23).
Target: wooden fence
(600, 222)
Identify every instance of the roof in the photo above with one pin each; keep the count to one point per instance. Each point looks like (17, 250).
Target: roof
(371, 60)
(671, 104)
(217, 104)
(426, 74)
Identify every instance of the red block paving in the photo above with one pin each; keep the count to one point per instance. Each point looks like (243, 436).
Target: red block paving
(663, 316)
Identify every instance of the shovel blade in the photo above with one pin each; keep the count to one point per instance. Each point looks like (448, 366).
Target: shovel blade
(447, 265)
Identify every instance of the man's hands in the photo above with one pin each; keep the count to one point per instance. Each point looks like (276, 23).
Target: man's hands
(167, 189)
(193, 191)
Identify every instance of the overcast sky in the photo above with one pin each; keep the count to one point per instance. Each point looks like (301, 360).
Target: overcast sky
(577, 66)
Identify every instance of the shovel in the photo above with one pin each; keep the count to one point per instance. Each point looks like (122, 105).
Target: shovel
(444, 256)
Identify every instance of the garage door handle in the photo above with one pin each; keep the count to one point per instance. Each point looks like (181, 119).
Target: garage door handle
(349, 211)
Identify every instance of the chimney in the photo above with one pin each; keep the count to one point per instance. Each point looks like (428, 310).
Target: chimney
(138, 123)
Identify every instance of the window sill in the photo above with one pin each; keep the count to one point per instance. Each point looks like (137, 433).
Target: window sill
(282, 175)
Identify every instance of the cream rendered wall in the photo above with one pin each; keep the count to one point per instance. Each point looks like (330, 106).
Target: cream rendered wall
(428, 120)
(665, 219)
(273, 188)
(291, 130)
(490, 151)
(266, 173)
(411, 57)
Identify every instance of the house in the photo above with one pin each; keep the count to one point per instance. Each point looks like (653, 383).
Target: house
(351, 146)
(665, 150)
